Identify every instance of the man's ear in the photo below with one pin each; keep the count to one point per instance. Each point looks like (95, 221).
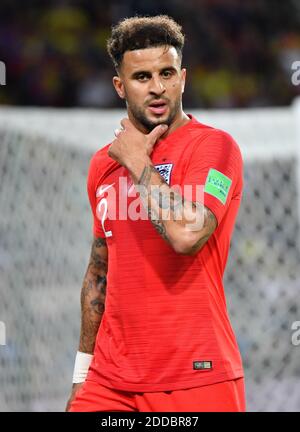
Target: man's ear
(118, 85)
(183, 77)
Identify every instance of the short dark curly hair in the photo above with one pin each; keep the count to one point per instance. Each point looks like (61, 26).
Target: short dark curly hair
(144, 32)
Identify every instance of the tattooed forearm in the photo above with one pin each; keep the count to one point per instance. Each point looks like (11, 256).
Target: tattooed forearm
(199, 243)
(143, 183)
(158, 224)
(93, 296)
(171, 214)
(172, 204)
(157, 195)
(145, 177)
(210, 225)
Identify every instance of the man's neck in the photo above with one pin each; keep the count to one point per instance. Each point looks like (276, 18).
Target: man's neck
(180, 120)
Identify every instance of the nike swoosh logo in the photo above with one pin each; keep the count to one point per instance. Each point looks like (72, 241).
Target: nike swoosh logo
(103, 189)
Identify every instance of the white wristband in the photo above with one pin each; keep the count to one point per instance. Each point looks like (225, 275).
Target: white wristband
(81, 367)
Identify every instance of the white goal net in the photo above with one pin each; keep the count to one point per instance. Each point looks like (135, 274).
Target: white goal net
(45, 235)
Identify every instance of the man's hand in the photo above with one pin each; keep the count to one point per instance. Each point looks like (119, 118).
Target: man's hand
(131, 145)
(75, 389)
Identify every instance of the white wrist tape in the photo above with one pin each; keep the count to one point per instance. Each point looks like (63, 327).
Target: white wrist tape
(81, 367)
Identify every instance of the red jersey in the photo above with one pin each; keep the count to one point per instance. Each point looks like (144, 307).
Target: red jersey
(165, 325)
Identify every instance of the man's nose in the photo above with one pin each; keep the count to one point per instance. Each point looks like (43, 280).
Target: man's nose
(157, 86)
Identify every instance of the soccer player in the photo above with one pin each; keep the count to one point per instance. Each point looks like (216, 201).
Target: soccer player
(155, 332)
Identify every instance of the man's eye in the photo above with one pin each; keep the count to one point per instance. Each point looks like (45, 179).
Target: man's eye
(142, 77)
(167, 74)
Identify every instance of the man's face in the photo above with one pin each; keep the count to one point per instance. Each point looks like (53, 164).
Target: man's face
(152, 82)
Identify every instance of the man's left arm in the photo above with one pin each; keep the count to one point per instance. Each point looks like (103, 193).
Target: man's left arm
(185, 224)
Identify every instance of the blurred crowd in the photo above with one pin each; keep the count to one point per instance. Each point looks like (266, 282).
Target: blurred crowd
(238, 53)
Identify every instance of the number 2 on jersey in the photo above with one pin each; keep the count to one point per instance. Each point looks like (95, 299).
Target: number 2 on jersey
(103, 202)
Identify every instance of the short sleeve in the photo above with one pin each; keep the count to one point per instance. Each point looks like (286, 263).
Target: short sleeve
(91, 189)
(214, 172)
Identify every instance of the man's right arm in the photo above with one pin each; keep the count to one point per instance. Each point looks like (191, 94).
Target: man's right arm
(93, 295)
(92, 301)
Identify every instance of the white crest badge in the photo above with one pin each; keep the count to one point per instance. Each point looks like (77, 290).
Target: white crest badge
(165, 171)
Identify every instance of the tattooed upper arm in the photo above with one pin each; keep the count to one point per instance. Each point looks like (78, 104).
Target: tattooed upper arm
(93, 294)
(99, 255)
(95, 278)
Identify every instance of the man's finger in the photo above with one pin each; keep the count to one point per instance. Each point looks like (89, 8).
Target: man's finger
(157, 132)
(117, 132)
(126, 123)
(109, 152)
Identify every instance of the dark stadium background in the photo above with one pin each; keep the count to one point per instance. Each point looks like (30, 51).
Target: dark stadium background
(237, 51)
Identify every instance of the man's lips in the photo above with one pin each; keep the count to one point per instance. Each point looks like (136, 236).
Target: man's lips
(158, 107)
